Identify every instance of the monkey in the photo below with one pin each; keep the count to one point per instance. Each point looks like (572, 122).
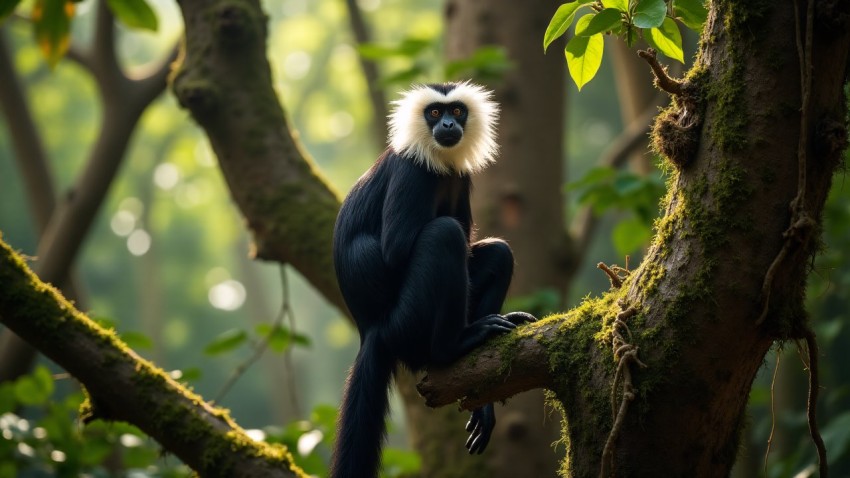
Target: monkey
(422, 292)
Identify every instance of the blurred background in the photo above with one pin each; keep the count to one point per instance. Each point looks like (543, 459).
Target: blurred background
(166, 261)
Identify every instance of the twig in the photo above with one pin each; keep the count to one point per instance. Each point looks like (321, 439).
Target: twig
(662, 80)
(613, 276)
(263, 344)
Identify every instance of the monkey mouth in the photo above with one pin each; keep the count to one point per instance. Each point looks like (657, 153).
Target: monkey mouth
(447, 139)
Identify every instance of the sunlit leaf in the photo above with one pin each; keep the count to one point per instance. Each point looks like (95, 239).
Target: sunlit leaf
(52, 26)
(691, 12)
(7, 7)
(409, 47)
(621, 5)
(226, 342)
(584, 55)
(630, 235)
(603, 21)
(649, 13)
(667, 39)
(562, 20)
(134, 13)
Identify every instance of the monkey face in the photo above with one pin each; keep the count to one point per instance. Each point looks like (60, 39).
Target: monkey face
(446, 121)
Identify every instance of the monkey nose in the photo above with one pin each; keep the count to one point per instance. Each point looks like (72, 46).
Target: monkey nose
(448, 124)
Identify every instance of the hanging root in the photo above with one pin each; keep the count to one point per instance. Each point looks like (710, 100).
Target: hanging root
(626, 353)
(812, 404)
(772, 408)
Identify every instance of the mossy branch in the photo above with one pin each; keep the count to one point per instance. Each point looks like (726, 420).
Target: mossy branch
(123, 386)
(224, 79)
(494, 372)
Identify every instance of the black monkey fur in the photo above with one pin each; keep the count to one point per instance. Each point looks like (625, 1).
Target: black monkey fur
(420, 290)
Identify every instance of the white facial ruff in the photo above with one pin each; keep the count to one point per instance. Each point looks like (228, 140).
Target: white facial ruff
(411, 136)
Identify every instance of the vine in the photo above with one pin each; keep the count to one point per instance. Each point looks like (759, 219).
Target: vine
(801, 226)
(626, 353)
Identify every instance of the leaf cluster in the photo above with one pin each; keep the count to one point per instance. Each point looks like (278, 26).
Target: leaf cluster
(51, 21)
(652, 20)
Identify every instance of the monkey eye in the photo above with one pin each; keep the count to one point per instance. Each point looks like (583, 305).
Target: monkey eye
(435, 113)
(456, 111)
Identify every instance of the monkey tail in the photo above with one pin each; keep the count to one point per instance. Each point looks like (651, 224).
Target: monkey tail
(361, 428)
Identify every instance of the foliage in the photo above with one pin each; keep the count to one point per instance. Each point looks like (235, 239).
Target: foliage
(52, 442)
(487, 63)
(605, 189)
(653, 20)
(51, 21)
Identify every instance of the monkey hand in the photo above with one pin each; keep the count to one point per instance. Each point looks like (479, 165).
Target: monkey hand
(520, 318)
(481, 424)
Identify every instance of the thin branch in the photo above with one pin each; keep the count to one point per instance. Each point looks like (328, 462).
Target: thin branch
(377, 98)
(662, 80)
(263, 344)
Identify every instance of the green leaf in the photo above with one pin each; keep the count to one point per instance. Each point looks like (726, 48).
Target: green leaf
(134, 13)
(593, 177)
(52, 27)
(621, 5)
(630, 235)
(7, 7)
(691, 12)
(667, 39)
(584, 55)
(603, 21)
(649, 13)
(226, 342)
(34, 389)
(562, 20)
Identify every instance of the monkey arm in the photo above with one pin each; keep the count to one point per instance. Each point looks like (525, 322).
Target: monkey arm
(408, 206)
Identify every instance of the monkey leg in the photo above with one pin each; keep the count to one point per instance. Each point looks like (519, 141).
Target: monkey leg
(427, 324)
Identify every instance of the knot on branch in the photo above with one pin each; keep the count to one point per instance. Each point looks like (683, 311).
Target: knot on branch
(236, 25)
(198, 96)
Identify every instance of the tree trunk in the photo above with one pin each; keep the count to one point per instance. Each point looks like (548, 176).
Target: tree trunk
(725, 275)
(520, 197)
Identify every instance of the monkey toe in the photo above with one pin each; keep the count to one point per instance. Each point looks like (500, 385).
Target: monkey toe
(519, 318)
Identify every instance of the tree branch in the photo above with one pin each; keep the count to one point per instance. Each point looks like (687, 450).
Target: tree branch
(377, 99)
(123, 386)
(496, 371)
(224, 80)
(123, 102)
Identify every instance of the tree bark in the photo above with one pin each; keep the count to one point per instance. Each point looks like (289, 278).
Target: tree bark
(692, 308)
